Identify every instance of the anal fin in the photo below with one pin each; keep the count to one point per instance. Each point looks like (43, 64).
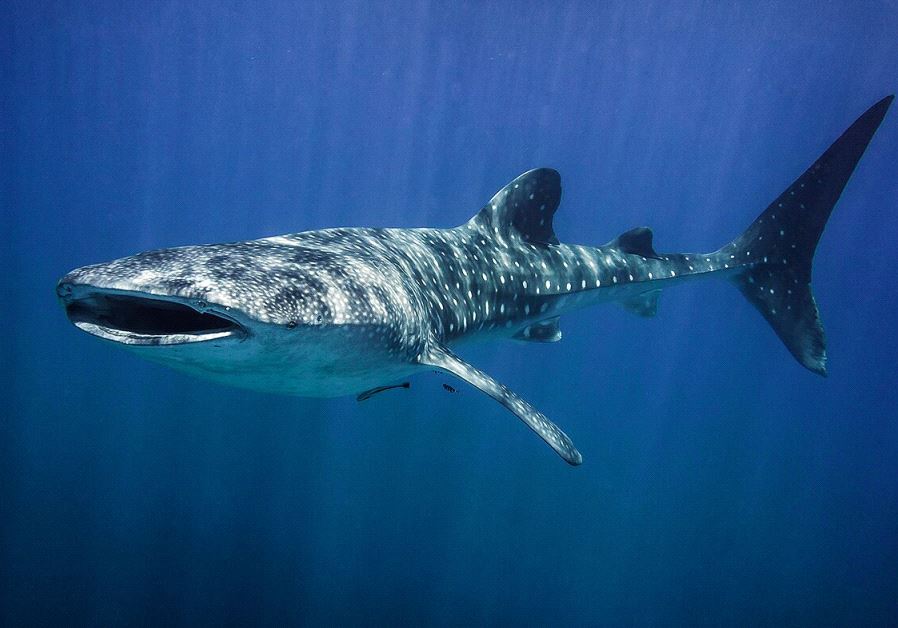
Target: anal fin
(443, 359)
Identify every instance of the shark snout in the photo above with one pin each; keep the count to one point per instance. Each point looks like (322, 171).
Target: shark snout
(64, 290)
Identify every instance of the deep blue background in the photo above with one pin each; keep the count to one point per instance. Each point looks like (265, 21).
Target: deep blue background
(722, 484)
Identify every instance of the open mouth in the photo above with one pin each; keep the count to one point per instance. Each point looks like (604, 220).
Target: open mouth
(139, 320)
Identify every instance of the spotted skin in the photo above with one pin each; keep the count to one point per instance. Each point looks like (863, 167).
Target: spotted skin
(347, 311)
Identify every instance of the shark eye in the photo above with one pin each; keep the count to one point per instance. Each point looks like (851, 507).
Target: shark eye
(291, 324)
(318, 320)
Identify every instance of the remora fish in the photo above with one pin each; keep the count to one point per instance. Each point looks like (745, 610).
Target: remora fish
(343, 311)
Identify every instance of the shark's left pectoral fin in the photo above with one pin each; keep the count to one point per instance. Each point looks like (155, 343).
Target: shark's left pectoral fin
(445, 360)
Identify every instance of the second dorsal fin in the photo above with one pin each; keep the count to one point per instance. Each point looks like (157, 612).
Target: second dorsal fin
(636, 241)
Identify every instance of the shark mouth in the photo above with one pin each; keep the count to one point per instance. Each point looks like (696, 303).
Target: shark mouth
(135, 319)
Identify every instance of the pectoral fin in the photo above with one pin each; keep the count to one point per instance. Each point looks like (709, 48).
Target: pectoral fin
(443, 359)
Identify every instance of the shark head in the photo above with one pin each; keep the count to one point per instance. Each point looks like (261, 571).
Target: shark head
(163, 298)
(265, 314)
(196, 294)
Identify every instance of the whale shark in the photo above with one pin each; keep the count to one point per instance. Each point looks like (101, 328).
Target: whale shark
(353, 310)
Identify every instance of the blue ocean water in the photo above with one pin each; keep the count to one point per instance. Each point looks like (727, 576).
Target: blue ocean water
(722, 483)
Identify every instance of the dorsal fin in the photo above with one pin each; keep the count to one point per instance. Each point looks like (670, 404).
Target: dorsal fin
(523, 209)
(636, 241)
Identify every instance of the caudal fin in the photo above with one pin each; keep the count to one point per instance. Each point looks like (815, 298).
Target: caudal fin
(776, 251)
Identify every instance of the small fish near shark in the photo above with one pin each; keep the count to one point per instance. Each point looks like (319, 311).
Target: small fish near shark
(348, 311)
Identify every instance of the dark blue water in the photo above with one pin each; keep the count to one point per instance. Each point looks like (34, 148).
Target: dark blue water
(723, 483)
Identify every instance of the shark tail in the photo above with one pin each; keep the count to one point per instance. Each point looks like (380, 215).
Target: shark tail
(777, 249)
